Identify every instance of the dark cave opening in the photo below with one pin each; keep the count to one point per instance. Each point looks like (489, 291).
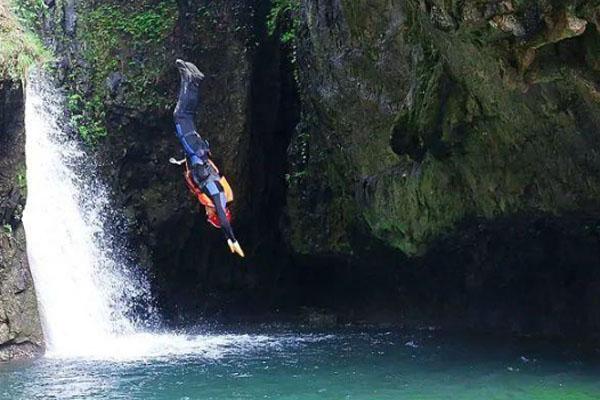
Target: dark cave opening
(195, 274)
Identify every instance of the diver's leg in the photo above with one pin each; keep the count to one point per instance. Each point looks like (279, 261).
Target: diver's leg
(214, 190)
(225, 225)
(188, 98)
(219, 200)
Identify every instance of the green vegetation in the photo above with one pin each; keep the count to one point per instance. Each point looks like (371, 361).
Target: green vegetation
(29, 13)
(7, 229)
(128, 41)
(22, 177)
(19, 47)
(87, 117)
(22, 181)
(116, 24)
(283, 18)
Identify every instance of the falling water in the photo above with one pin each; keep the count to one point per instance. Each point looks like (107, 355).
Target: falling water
(83, 289)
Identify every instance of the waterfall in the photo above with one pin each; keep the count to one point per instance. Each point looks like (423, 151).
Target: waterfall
(84, 287)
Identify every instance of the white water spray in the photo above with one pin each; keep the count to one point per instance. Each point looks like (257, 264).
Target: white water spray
(83, 290)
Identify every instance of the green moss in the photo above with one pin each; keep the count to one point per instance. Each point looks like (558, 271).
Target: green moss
(129, 39)
(476, 136)
(525, 163)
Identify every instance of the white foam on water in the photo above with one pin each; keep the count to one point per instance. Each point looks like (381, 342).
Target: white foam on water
(152, 346)
(85, 289)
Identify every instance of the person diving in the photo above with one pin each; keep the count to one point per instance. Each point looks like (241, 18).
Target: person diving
(202, 176)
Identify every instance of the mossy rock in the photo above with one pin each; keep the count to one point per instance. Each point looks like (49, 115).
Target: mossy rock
(477, 129)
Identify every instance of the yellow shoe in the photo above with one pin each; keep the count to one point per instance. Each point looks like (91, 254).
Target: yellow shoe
(235, 248)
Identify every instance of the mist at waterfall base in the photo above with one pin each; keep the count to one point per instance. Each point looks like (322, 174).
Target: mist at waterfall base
(101, 344)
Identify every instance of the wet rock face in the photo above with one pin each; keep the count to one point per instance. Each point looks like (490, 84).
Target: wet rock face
(354, 76)
(512, 276)
(20, 328)
(421, 114)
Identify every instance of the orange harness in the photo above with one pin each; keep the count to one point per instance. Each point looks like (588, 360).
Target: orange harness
(206, 201)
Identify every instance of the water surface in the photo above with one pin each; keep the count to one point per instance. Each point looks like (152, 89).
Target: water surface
(335, 365)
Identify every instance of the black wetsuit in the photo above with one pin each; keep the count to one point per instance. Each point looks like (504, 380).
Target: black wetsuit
(197, 151)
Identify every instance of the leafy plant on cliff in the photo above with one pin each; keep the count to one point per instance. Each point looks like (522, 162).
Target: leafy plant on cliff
(19, 48)
(7, 228)
(283, 18)
(22, 177)
(29, 12)
(90, 129)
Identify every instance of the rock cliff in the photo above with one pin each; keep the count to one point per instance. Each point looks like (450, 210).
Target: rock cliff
(20, 328)
(420, 115)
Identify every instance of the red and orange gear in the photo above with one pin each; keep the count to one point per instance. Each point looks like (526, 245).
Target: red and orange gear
(211, 215)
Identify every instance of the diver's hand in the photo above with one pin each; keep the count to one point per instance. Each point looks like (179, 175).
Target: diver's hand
(172, 160)
(235, 247)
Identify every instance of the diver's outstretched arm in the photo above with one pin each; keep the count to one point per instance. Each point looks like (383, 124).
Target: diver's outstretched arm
(173, 161)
